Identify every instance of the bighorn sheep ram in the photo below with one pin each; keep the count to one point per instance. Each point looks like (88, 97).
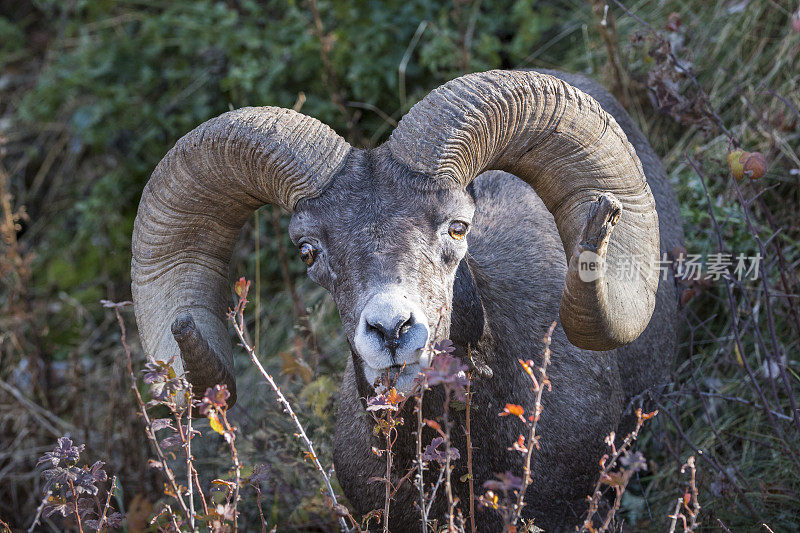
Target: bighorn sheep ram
(481, 203)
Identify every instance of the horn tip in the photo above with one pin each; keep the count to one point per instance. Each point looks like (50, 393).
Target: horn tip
(183, 326)
(604, 214)
(204, 366)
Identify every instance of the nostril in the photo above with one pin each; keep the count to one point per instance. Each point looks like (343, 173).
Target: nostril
(391, 335)
(381, 331)
(405, 326)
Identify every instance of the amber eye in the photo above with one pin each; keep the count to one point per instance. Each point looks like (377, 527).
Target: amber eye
(458, 229)
(308, 253)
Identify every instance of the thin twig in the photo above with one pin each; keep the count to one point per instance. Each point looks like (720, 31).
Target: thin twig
(708, 459)
(745, 402)
(607, 463)
(532, 439)
(288, 281)
(196, 478)
(608, 31)
(171, 517)
(108, 503)
(257, 241)
(448, 487)
(768, 303)
(403, 479)
(469, 454)
(735, 322)
(420, 463)
(237, 317)
(723, 526)
(387, 487)
(116, 306)
(709, 109)
(39, 512)
(694, 512)
(436, 486)
(705, 405)
(187, 446)
(238, 470)
(375, 109)
(260, 509)
(675, 515)
(75, 505)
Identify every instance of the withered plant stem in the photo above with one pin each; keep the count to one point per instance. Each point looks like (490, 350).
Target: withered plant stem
(260, 509)
(388, 482)
(695, 511)
(434, 491)
(39, 512)
(171, 515)
(257, 241)
(776, 349)
(537, 409)
(723, 526)
(423, 509)
(196, 478)
(607, 464)
(75, 505)
(753, 382)
(709, 110)
(675, 514)
(237, 317)
(607, 28)
(709, 460)
(448, 488)
(469, 454)
(108, 503)
(231, 437)
(329, 74)
(187, 446)
(148, 425)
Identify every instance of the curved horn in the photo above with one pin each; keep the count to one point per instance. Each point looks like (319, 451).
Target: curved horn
(190, 215)
(577, 159)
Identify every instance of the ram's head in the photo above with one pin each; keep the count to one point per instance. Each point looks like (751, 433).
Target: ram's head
(384, 231)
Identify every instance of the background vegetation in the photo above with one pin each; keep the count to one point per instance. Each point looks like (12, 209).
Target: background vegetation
(93, 93)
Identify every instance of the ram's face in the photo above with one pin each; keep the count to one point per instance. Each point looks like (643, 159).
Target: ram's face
(387, 250)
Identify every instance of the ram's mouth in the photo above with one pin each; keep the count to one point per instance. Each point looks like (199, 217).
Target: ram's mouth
(401, 377)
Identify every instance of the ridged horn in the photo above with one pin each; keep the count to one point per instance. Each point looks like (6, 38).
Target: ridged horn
(580, 163)
(190, 215)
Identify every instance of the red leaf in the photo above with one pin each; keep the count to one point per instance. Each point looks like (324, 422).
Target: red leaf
(519, 445)
(648, 416)
(241, 287)
(435, 425)
(512, 409)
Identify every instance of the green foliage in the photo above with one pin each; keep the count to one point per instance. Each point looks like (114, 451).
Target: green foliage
(12, 38)
(127, 79)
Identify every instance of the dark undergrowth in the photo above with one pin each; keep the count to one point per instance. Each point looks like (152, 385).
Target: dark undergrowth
(92, 94)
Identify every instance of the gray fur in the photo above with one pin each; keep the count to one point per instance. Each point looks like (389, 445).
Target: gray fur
(378, 224)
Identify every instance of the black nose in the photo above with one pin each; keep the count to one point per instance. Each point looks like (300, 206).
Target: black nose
(392, 332)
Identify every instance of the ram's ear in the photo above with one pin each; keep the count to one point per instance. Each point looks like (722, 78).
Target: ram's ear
(467, 319)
